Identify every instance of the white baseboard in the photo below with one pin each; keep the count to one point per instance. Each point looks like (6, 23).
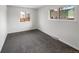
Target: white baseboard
(60, 40)
(3, 42)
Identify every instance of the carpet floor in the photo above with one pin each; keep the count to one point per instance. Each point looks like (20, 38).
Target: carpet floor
(34, 41)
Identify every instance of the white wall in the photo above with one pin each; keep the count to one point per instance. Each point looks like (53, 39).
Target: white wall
(3, 25)
(14, 24)
(65, 31)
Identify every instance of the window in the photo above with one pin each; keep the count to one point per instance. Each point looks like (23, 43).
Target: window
(24, 17)
(63, 13)
(67, 12)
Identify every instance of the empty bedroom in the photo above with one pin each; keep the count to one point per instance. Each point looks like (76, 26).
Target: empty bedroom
(39, 28)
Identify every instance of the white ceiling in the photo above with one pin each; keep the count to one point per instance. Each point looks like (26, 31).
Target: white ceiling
(28, 6)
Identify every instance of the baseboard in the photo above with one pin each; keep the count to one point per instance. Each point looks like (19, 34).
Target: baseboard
(60, 40)
(22, 31)
(3, 43)
(69, 45)
(50, 36)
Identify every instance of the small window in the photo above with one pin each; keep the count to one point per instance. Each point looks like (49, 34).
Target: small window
(24, 17)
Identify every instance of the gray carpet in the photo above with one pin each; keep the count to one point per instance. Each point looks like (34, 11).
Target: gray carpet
(34, 41)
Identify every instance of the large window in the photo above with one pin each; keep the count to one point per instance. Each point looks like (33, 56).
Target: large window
(64, 12)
